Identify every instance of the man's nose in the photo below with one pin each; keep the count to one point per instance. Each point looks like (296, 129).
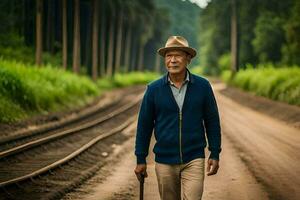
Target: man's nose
(173, 59)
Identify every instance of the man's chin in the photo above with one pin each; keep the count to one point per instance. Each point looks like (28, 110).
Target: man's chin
(174, 71)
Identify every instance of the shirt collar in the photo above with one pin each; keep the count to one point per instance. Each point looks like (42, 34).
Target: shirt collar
(187, 78)
(165, 77)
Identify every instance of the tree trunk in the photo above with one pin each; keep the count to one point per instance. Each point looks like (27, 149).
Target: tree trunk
(141, 57)
(157, 63)
(65, 36)
(102, 44)
(88, 46)
(76, 42)
(29, 32)
(128, 48)
(133, 66)
(39, 47)
(110, 49)
(50, 30)
(119, 41)
(95, 39)
(22, 25)
(234, 38)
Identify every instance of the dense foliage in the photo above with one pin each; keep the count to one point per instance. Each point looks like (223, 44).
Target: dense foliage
(282, 84)
(268, 32)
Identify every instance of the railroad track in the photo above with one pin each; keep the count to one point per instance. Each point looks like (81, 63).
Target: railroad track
(7, 142)
(43, 165)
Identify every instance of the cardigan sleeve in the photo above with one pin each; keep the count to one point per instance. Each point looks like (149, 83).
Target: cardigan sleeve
(212, 124)
(144, 127)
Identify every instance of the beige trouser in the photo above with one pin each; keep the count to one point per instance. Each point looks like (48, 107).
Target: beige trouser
(182, 181)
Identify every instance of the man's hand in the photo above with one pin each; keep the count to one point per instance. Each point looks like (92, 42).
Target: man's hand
(141, 169)
(212, 167)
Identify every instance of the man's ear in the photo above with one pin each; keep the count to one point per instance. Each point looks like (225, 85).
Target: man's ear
(189, 58)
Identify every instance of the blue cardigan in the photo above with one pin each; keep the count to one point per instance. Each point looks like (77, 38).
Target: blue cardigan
(180, 136)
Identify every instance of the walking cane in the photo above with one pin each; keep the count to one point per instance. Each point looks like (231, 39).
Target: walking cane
(142, 187)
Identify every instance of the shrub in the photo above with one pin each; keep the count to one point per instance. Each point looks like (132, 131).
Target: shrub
(282, 84)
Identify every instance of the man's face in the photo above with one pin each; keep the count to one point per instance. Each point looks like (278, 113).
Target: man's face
(176, 61)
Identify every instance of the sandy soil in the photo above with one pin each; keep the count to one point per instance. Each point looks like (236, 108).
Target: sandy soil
(267, 146)
(117, 181)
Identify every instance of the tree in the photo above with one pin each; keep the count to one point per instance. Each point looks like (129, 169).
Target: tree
(111, 41)
(291, 50)
(214, 36)
(269, 37)
(87, 37)
(95, 39)
(39, 47)
(145, 29)
(50, 27)
(247, 12)
(103, 31)
(76, 41)
(153, 61)
(234, 37)
(130, 19)
(128, 44)
(119, 37)
(64, 37)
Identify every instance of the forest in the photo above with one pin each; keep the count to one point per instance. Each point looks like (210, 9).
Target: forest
(82, 35)
(78, 48)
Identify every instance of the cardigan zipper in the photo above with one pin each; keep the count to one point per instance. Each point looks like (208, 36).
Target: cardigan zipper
(180, 135)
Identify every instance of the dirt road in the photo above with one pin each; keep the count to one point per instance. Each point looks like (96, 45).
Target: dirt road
(268, 147)
(260, 160)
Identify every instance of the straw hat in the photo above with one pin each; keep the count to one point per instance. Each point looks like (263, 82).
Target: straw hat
(177, 43)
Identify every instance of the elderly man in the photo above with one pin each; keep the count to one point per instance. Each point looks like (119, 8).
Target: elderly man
(181, 108)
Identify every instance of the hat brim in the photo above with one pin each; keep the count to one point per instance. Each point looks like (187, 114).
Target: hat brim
(162, 51)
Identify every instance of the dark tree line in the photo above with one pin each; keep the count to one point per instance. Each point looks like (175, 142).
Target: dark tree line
(98, 37)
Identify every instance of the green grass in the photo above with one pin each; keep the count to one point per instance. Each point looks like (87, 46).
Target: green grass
(10, 111)
(26, 90)
(125, 80)
(280, 84)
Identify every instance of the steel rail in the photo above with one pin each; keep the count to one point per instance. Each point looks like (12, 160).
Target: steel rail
(22, 134)
(54, 125)
(56, 136)
(70, 156)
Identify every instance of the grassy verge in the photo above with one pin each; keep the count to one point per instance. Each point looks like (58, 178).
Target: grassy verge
(28, 90)
(280, 84)
(124, 80)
